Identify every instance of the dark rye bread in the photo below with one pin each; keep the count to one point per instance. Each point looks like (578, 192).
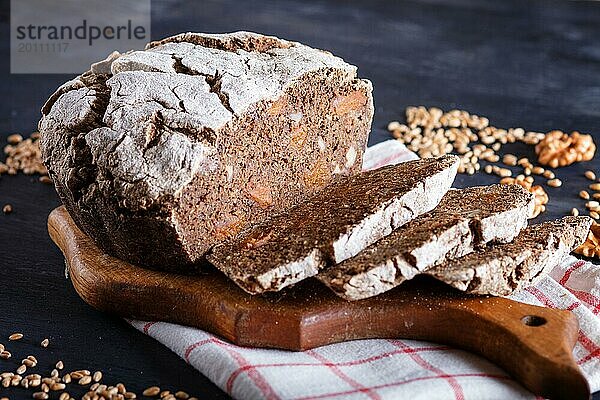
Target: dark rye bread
(464, 219)
(501, 269)
(337, 223)
(159, 154)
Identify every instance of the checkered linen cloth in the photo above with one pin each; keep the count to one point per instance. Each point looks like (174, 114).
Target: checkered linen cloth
(387, 369)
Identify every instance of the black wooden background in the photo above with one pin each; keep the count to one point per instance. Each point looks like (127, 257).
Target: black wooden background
(533, 64)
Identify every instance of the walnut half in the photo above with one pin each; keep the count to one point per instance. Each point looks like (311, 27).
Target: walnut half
(558, 149)
(591, 246)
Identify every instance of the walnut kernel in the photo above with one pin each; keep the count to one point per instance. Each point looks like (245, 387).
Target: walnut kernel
(559, 149)
(591, 246)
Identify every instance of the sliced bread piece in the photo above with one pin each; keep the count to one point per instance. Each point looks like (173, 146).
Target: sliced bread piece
(500, 270)
(334, 225)
(464, 219)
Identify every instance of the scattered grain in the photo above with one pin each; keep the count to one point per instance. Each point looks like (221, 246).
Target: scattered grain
(79, 374)
(574, 212)
(86, 380)
(7, 209)
(97, 377)
(590, 175)
(24, 156)
(504, 172)
(510, 159)
(16, 336)
(57, 386)
(45, 343)
(182, 395)
(537, 170)
(5, 354)
(584, 195)
(21, 370)
(76, 375)
(151, 391)
(555, 182)
(594, 214)
(40, 396)
(27, 362)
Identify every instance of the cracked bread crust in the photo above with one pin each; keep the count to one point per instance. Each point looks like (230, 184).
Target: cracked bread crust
(159, 154)
(337, 223)
(501, 269)
(464, 220)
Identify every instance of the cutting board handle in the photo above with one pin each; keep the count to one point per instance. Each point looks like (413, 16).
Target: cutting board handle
(530, 342)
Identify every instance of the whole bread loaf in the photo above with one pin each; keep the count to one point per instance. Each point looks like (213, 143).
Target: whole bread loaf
(159, 154)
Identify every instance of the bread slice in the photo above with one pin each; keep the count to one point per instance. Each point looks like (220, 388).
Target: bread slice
(501, 269)
(198, 137)
(336, 224)
(464, 219)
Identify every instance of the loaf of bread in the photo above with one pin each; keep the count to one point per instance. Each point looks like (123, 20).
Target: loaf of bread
(464, 220)
(334, 225)
(501, 269)
(159, 154)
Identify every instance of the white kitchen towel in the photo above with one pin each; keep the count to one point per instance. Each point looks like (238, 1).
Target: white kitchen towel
(387, 369)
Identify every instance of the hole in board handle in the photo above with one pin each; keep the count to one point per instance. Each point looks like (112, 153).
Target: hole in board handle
(533, 320)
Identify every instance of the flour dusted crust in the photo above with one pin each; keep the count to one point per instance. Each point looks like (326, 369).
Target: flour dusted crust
(464, 220)
(159, 154)
(501, 269)
(334, 225)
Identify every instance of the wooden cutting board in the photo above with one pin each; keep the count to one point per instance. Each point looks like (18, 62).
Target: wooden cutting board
(533, 344)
